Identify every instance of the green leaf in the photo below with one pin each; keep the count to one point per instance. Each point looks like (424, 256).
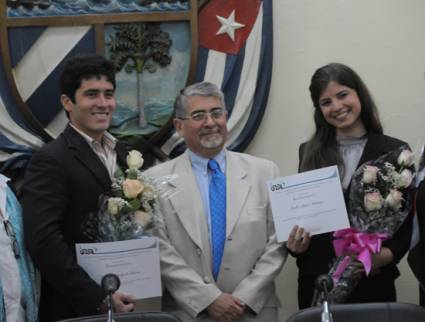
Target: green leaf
(126, 209)
(118, 193)
(118, 173)
(135, 204)
(132, 174)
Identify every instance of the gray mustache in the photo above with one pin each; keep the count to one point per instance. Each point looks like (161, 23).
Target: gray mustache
(210, 131)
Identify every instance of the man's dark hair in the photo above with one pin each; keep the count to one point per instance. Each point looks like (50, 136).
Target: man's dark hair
(82, 67)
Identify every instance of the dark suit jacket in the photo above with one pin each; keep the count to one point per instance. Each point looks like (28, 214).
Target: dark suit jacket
(416, 256)
(320, 254)
(62, 185)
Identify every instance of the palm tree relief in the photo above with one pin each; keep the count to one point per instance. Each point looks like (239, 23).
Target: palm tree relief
(136, 47)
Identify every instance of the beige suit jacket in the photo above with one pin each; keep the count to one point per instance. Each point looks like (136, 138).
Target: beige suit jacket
(252, 257)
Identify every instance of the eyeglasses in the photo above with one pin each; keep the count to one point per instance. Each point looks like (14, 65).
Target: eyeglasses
(200, 116)
(9, 231)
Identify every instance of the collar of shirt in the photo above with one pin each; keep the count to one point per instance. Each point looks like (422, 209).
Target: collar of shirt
(200, 164)
(107, 139)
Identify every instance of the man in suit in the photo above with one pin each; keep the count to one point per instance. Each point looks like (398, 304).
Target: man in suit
(208, 276)
(62, 186)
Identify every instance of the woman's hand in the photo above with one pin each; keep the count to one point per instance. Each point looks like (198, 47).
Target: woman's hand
(298, 240)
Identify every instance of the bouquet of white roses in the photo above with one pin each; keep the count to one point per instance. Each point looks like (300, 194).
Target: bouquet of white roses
(380, 199)
(127, 211)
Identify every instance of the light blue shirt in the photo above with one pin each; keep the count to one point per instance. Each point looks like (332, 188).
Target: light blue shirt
(203, 178)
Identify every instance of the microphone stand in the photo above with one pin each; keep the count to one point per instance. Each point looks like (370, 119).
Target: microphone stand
(324, 283)
(326, 314)
(110, 308)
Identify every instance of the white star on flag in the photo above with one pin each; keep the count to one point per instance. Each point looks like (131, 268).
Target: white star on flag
(229, 25)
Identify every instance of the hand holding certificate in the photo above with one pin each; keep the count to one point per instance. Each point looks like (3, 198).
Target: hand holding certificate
(312, 199)
(135, 261)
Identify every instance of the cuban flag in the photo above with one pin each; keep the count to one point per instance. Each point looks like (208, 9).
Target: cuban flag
(235, 53)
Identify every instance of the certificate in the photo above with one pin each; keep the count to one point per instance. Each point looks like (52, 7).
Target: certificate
(312, 199)
(136, 262)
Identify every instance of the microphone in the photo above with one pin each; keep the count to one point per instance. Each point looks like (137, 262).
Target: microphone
(324, 283)
(110, 283)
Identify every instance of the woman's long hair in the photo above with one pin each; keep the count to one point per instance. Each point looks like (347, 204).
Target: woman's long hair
(321, 150)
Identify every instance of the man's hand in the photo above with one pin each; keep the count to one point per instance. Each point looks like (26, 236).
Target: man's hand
(226, 308)
(123, 302)
(298, 240)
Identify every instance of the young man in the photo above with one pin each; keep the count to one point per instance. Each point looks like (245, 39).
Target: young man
(62, 185)
(219, 254)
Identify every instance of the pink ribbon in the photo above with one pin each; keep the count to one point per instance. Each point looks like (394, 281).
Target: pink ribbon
(362, 245)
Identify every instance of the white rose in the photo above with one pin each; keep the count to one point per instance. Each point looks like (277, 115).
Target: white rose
(149, 191)
(370, 174)
(113, 205)
(132, 188)
(373, 201)
(406, 158)
(394, 199)
(134, 159)
(404, 179)
(142, 218)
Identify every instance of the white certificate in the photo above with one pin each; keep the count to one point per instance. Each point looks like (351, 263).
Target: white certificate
(135, 261)
(312, 199)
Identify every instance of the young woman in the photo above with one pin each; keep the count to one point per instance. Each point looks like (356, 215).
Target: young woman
(348, 133)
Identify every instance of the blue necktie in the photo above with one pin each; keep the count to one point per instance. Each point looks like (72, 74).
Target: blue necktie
(218, 214)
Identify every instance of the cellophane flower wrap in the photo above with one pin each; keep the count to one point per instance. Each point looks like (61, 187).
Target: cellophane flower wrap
(127, 210)
(380, 199)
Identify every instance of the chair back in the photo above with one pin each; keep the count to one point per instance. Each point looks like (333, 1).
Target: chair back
(129, 317)
(365, 312)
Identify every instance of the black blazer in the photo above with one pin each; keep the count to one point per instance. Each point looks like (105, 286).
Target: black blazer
(62, 185)
(416, 256)
(320, 254)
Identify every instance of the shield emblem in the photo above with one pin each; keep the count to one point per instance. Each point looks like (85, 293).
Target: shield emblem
(235, 52)
(153, 43)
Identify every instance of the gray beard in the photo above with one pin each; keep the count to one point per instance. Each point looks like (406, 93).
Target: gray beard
(213, 142)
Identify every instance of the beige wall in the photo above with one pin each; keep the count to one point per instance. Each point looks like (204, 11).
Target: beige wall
(384, 41)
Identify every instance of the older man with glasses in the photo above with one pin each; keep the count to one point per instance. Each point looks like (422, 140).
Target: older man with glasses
(219, 254)
(18, 297)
